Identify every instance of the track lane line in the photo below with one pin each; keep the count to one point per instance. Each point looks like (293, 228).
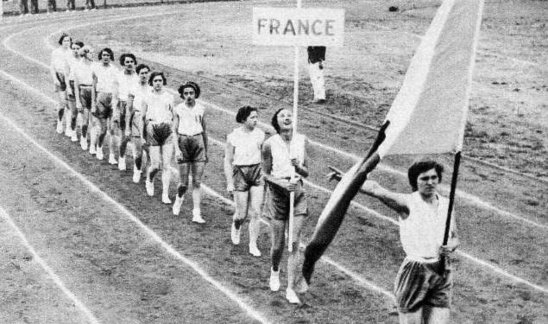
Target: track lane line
(251, 312)
(470, 197)
(81, 306)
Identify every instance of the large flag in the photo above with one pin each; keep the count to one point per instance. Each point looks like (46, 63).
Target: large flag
(427, 116)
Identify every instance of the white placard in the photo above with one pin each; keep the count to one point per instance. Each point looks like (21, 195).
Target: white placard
(298, 27)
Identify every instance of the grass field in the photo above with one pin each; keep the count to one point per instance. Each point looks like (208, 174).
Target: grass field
(123, 274)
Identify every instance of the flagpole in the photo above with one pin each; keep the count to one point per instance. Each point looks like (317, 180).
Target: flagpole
(295, 115)
(456, 165)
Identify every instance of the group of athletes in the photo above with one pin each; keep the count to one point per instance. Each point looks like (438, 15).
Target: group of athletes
(131, 105)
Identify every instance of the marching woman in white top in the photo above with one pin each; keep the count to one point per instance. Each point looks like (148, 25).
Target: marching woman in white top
(83, 82)
(71, 113)
(157, 114)
(59, 70)
(135, 125)
(285, 163)
(242, 166)
(191, 147)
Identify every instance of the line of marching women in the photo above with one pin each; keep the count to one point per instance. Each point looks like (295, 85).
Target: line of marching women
(130, 108)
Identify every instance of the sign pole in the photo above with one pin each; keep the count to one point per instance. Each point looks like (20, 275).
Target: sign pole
(295, 115)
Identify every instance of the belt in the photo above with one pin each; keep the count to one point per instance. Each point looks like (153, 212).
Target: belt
(187, 135)
(85, 86)
(421, 259)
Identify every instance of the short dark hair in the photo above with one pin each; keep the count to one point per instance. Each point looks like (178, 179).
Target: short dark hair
(108, 50)
(421, 166)
(79, 43)
(140, 67)
(274, 121)
(123, 58)
(243, 113)
(63, 35)
(190, 84)
(155, 74)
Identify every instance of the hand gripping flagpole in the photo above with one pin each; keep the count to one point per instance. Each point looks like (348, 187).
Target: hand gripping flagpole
(290, 237)
(456, 165)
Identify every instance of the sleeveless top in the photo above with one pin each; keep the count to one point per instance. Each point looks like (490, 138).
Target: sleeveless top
(281, 160)
(159, 108)
(421, 233)
(190, 119)
(247, 145)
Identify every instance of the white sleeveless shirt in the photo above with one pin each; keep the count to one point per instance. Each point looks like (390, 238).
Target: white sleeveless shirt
(281, 160)
(247, 145)
(190, 119)
(421, 233)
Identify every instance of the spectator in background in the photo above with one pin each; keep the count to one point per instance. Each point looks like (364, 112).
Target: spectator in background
(34, 6)
(90, 4)
(316, 57)
(23, 7)
(52, 6)
(70, 5)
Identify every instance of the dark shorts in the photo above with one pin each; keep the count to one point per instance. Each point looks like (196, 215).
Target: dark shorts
(85, 97)
(192, 148)
(104, 105)
(62, 83)
(158, 134)
(419, 284)
(119, 114)
(246, 176)
(277, 201)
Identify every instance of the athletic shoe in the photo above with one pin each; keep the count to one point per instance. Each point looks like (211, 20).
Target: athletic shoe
(149, 185)
(165, 198)
(92, 150)
(84, 143)
(235, 234)
(68, 132)
(291, 296)
(274, 281)
(59, 128)
(254, 250)
(197, 217)
(122, 163)
(136, 175)
(112, 159)
(73, 136)
(177, 205)
(99, 153)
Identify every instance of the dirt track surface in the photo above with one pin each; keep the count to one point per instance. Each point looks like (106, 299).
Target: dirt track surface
(123, 275)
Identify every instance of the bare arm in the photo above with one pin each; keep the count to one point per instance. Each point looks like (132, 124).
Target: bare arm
(394, 200)
(204, 134)
(229, 158)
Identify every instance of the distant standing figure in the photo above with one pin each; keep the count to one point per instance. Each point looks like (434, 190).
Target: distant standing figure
(316, 57)
(23, 7)
(71, 5)
(90, 4)
(34, 6)
(52, 6)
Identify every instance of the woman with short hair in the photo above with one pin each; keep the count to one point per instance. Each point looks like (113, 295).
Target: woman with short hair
(59, 71)
(242, 166)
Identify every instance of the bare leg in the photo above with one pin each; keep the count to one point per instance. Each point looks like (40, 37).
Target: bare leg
(436, 315)
(167, 155)
(255, 202)
(197, 169)
(411, 318)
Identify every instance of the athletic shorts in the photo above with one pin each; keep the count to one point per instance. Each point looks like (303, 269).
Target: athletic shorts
(277, 201)
(62, 83)
(192, 148)
(119, 114)
(246, 176)
(104, 105)
(71, 96)
(419, 284)
(136, 122)
(85, 97)
(158, 134)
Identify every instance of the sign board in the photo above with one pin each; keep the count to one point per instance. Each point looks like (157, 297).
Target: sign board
(298, 27)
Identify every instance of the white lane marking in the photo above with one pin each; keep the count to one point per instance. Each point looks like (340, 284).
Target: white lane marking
(242, 304)
(358, 278)
(81, 307)
(479, 261)
(472, 198)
